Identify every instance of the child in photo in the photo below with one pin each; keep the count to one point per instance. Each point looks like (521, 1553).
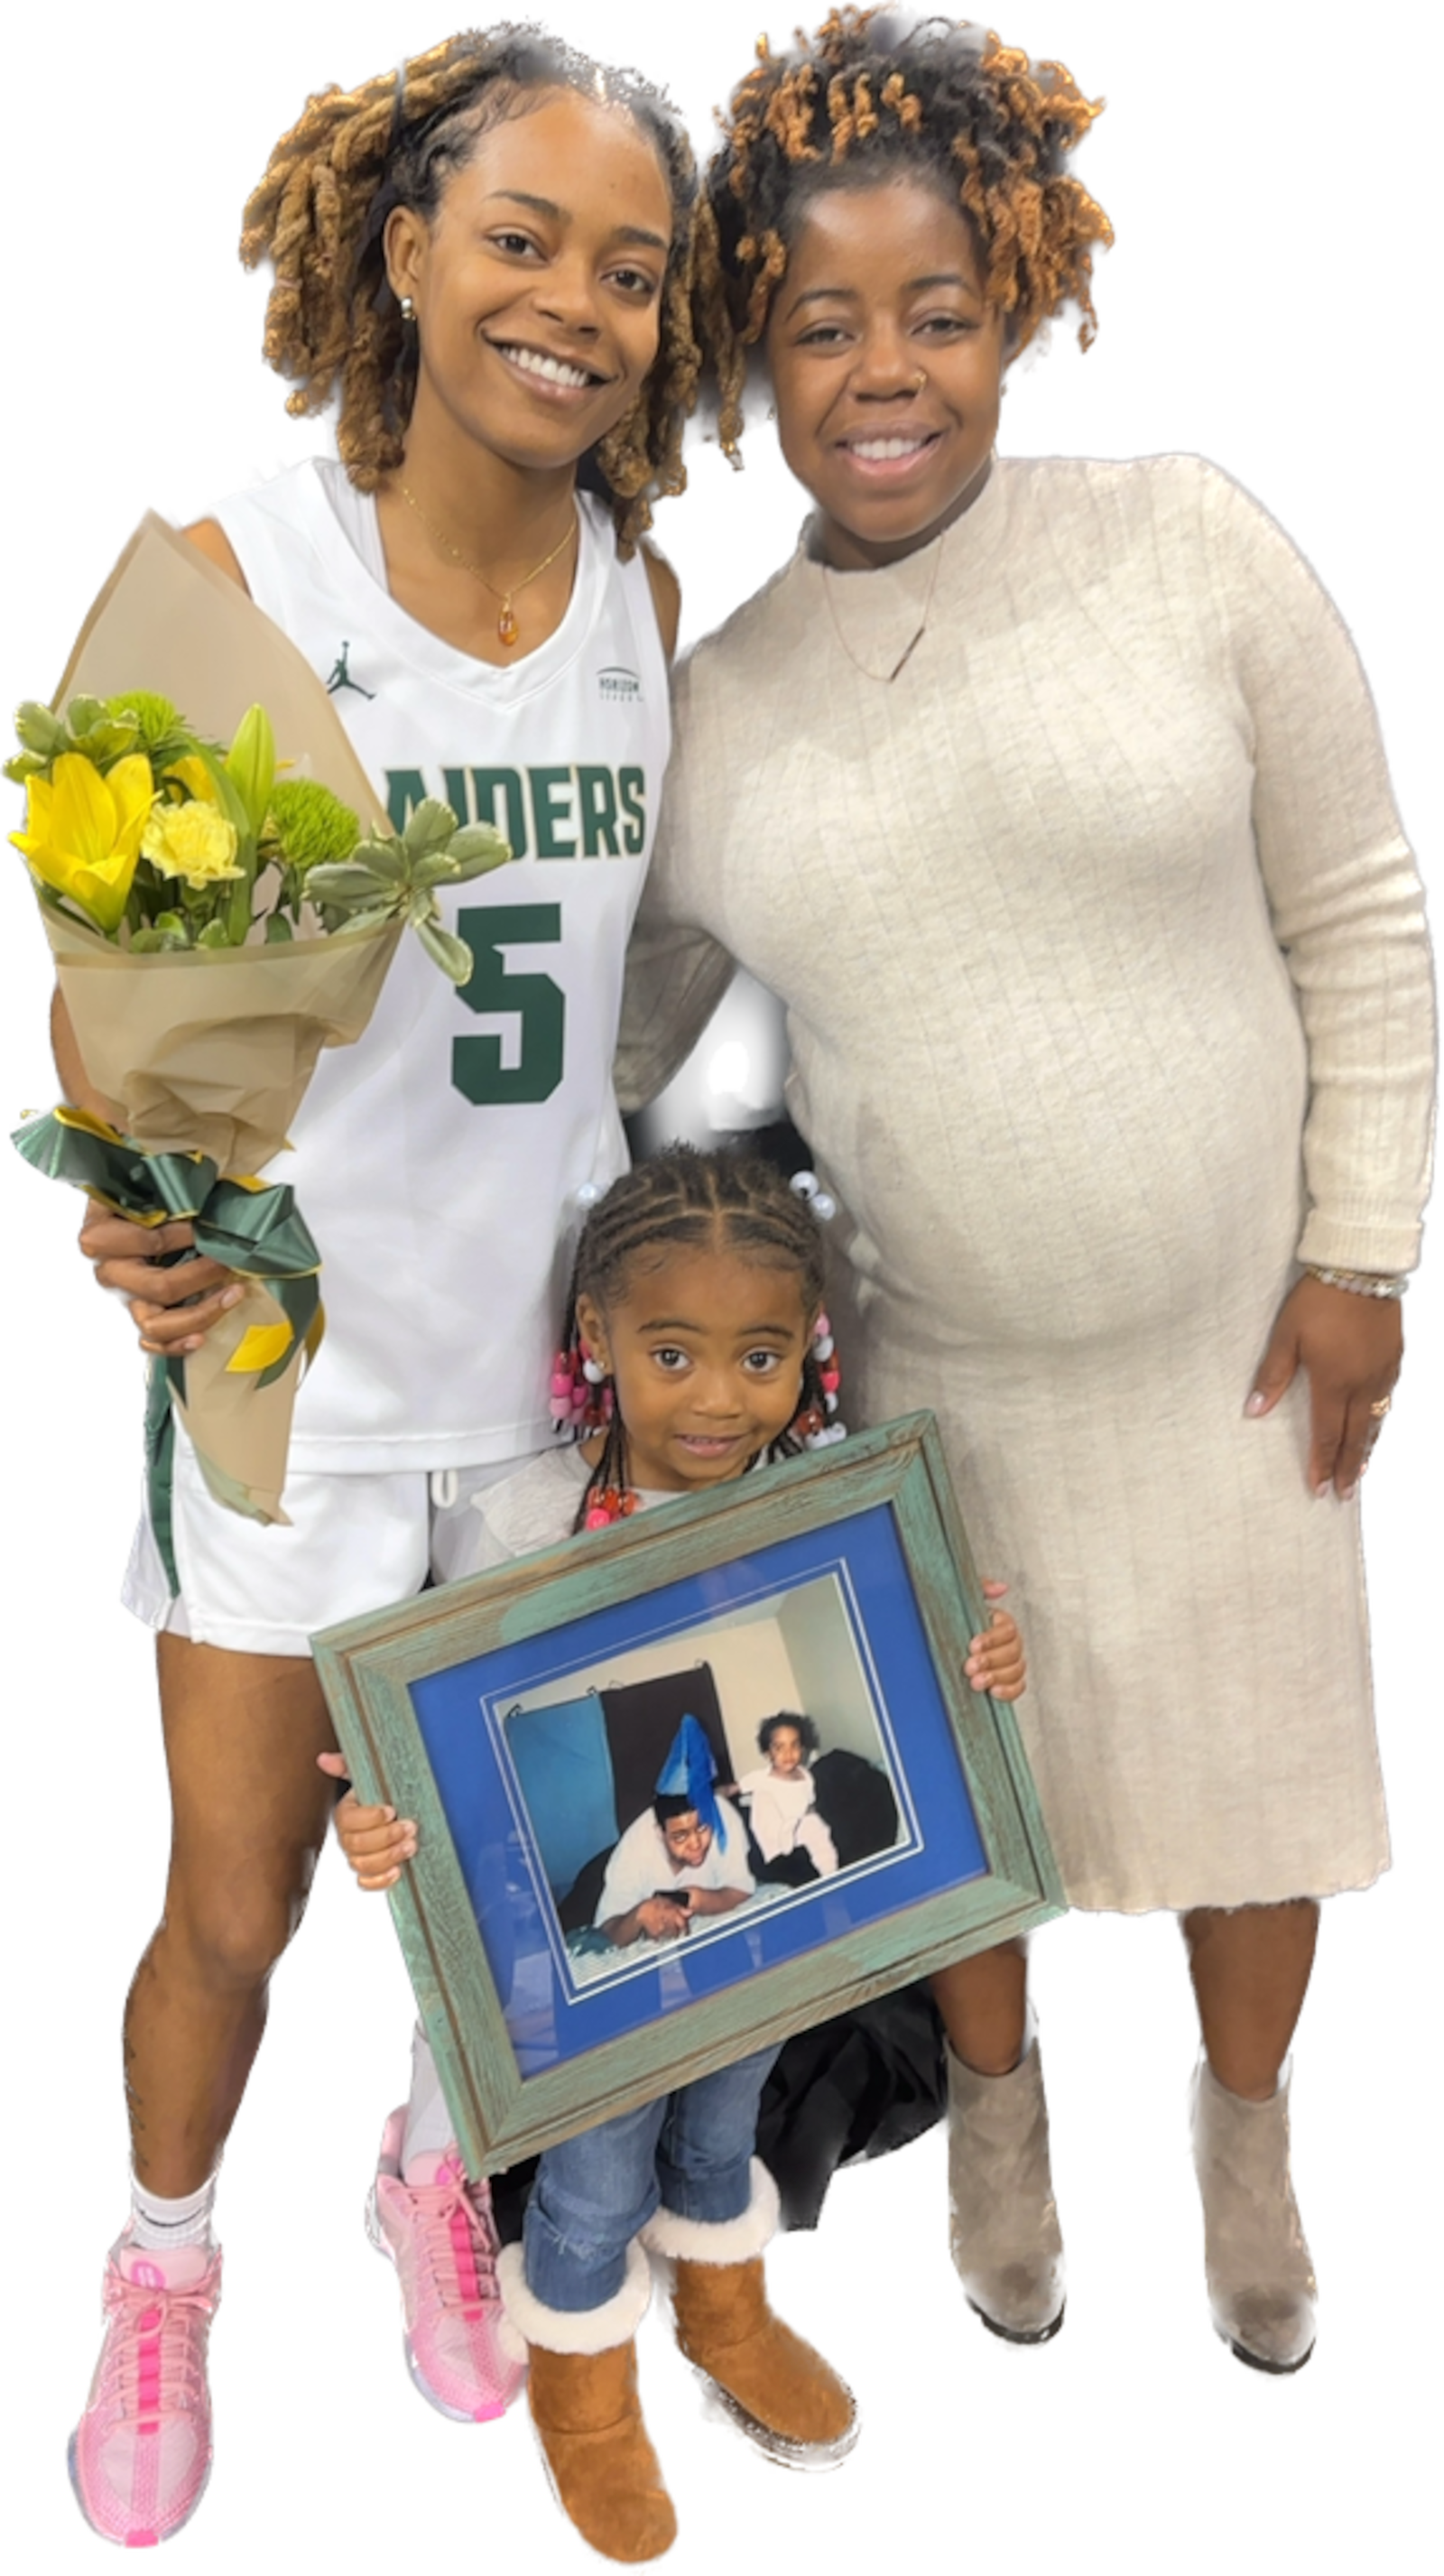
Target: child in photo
(782, 1799)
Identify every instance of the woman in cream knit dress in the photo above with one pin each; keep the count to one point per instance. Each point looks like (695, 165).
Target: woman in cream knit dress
(1049, 798)
(1046, 1043)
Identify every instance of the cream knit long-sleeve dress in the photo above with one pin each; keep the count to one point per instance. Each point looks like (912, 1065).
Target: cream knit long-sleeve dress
(1109, 1000)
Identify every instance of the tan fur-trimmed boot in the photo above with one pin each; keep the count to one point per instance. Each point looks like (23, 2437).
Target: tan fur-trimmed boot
(1261, 2285)
(775, 2388)
(582, 2389)
(1006, 2246)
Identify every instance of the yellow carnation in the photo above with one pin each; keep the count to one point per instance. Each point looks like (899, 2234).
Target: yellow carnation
(193, 841)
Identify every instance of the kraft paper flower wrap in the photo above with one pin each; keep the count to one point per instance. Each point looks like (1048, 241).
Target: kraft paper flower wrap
(215, 922)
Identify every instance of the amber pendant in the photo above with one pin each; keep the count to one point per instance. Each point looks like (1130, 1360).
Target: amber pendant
(506, 625)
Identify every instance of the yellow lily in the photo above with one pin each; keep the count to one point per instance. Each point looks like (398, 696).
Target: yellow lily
(84, 835)
(195, 778)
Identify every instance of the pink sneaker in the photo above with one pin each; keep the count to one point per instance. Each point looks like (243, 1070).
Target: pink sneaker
(141, 2453)
(438, 2232)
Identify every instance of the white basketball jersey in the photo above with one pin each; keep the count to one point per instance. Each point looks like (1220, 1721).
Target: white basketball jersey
(437, 1161)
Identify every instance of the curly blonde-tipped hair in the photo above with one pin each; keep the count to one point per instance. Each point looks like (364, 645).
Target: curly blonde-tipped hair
(867, 98)
(319, 215)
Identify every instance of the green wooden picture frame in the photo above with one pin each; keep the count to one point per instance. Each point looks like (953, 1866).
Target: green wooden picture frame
(414, 1692)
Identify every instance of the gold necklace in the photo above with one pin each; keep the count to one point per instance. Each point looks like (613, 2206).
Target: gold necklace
(887, 677)
(506, 625)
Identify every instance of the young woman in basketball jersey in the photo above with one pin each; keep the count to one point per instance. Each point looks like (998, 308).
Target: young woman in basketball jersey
(489, 255)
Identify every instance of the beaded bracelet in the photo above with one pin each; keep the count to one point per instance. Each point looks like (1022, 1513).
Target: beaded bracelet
(1360, 1283)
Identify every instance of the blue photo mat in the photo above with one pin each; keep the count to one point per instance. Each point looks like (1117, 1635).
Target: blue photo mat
(563, 1768)
(458, 1713)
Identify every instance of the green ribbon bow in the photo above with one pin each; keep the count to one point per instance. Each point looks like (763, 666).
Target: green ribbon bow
(252, 1227)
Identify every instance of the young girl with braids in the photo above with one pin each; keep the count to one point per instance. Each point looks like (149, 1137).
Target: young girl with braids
(486, 257)
(696, 1315)
(781, 1800)
(1116, 1047)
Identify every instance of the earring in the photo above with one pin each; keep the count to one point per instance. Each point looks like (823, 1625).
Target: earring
(408, 309)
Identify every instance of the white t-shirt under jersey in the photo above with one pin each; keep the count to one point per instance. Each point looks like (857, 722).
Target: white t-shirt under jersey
(437, 1161)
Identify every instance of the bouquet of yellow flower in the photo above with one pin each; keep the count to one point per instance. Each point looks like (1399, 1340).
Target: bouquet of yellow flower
(162, 841)
(215, 922)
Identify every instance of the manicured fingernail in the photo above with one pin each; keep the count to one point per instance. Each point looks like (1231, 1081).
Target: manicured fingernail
(1347, 1493)
(1256, 1402)
(1321, 1490)
(232, 1296)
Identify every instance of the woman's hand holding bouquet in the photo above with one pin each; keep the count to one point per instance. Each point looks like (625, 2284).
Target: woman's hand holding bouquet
(215, 923)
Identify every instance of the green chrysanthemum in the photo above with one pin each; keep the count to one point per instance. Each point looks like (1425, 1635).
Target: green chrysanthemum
(156, 721)
(311, 826)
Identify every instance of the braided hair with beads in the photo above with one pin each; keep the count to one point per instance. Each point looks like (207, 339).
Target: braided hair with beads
(871, 97)
(725, 1201)
(319, 215)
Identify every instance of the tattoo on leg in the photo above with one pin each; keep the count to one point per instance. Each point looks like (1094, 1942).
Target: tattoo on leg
(130, 2060)
(134, 2124)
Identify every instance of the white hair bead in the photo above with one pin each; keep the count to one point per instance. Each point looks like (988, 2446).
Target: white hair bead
(825, 1438)
(809, 1187)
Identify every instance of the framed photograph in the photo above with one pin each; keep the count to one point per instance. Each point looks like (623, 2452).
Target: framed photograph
(528, 1716)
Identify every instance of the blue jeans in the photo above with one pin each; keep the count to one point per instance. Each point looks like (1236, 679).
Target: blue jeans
(689, 2152)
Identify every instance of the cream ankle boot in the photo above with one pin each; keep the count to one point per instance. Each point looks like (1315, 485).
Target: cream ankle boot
(1261, 2284)
(1006, 2245)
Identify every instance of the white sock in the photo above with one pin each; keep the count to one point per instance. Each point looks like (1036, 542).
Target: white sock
(429, 2130)
(157, 2224)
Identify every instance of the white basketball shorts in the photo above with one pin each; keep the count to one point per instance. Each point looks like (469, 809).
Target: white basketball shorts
(355, 1543)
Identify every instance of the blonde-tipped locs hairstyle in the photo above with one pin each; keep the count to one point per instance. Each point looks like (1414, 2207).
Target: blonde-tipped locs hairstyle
(319, 216)
(872, 96)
